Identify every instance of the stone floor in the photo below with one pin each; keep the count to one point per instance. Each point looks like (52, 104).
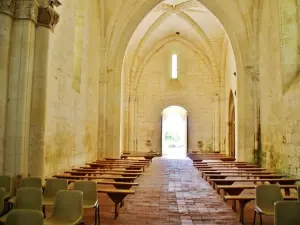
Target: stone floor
(171, 192)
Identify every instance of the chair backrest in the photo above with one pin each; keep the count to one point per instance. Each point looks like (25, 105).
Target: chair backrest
(29, 198)
(298, 192)
(69, 205)
(287, 213)
(55, 185)
(24, 217)
(31, 182)
(267, 195)
(6, 182)
(89, 190)
(2, 194)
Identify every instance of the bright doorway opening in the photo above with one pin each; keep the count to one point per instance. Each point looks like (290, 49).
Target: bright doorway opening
(174, 132)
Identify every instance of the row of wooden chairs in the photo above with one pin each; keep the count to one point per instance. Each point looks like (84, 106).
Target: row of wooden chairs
(221, 175)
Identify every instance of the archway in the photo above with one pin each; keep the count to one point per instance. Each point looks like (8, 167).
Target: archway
(231, 124)
(237, 33)
(174, 132)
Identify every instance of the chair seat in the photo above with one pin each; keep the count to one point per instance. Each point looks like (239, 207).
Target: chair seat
(48, 201)
(7, 196)
(3, 218)
(12, 200)
(55, 221)
(268, 212)
(89, 204)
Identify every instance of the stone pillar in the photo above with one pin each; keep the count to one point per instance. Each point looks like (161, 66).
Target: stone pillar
(216, 143)
(19, 91)
(7, 9)
(131, 124)
(256, 109)
(47, 19)
(102, 116)
(298, 21)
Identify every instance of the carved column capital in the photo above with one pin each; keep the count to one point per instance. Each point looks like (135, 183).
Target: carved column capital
(47, 17)
(8, 7)
(27, 9)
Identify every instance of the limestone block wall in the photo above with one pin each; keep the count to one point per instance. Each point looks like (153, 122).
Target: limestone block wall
(280, 88)
(194, 91)
(230, 80)
(72, 110)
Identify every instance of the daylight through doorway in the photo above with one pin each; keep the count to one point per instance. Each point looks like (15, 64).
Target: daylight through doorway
(174, 132)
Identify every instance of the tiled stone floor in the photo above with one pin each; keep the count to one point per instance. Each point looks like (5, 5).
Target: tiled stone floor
(171, 192)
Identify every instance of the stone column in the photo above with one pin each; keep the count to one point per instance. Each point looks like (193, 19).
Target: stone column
(47, 19)
(256, 109)
(298, 21)
(7, 9)
(131, 124)
(19, 87)
(102, 115)
(216, 143)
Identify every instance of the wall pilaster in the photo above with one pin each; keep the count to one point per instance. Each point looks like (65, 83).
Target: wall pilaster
(47, 19)
(7, 9)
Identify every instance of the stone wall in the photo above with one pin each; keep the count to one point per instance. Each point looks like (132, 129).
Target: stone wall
(155, 90)
(72, 114)
(280, 87)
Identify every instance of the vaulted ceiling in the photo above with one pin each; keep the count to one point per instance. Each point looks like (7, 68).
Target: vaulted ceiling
(186, 20)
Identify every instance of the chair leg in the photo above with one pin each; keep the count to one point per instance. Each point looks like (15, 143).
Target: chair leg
(98, 214)
(95, 215)
(44, 211)
(254, 217)
(260, 219)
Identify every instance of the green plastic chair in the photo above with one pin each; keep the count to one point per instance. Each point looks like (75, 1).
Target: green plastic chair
(68, 209)
(35, 182)
(6, 182)
(298, 193)
(2, 193)
(24, 217)
(266, 196)
(90, 197)
(51, 188)
(27, 198)
(287, 213)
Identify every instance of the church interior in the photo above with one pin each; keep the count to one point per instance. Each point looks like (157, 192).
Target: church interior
(140, 112)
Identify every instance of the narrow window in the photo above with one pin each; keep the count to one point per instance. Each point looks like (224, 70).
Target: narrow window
(174, 66)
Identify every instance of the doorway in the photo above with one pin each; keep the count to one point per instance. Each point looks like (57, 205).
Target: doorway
(231, 123)
(174, 132)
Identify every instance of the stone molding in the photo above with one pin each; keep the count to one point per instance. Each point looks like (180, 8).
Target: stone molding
(30, 10)
(27, 10)
(47, 17)
(8, 7)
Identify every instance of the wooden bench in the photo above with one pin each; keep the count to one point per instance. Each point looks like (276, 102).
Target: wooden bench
(220, 167)
(220, 163)
(127, 167)
(204, 173)
(90, 173)
(244, 199)
(208, 177)
(237, 189)
(88, 168)
(115, 178)
(230, 169)
(119, 185)
(271, 181)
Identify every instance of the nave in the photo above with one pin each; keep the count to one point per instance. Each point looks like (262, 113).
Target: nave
(170, 192)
